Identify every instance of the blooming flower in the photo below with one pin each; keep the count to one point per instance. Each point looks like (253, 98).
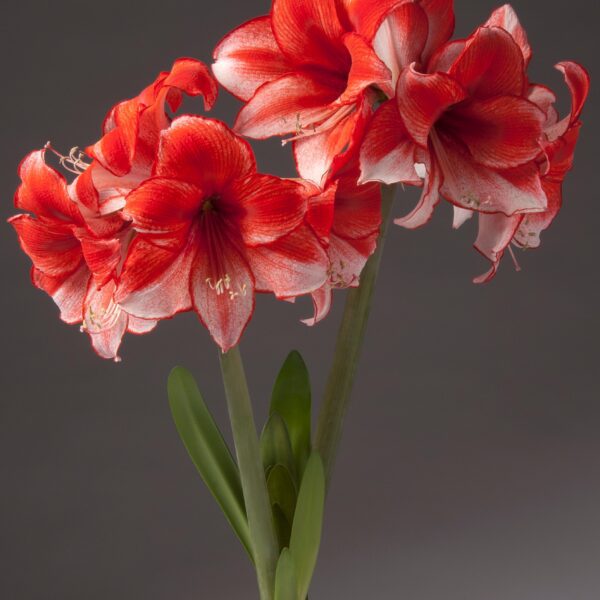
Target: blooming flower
(466, 121)
(347, 218)
(303, 71)
(76, 235)
(211, 231)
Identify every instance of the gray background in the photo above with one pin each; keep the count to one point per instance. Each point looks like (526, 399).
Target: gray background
(470, 465)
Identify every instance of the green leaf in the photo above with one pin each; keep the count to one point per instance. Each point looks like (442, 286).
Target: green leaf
(208, 450)
(282, 493)
(275, 445)
(291, 399)
(286, 586)
(308, 521)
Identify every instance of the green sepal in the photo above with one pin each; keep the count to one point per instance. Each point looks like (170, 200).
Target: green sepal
(276, 446)
(291, 399)
(286, 583)
(208, 450)
(308, 522)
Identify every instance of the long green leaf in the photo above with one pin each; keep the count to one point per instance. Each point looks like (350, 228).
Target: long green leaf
(291, 399)
(308, 522)
(286, 585)
(276, 446)
(208, 450)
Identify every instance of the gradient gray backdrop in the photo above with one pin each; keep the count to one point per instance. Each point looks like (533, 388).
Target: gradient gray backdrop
(470, 465)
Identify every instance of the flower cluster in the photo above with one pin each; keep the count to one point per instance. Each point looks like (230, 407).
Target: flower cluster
(168, 215)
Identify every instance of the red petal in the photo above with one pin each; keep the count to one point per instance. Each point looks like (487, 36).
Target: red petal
(475, 187)
(272, 207)
(532, 226)
(430, 198)
(292, 266)
(322, 305)
(402, 37)
(347, 258)
(388, 153)
(423, 99)
(491, 65)
(321, 206)
(248, 57)
(495, 233)
(140, 326)
(193, 78)
(68, 293)
(222, 289)
(161, 205)
(287, 105)
(104, 321)
(367, 69)
(446, 56)
(506, 18)
(578, 80)
(441, 24)
(310, 33)
(316, 154)
(155, 280)
(51, 246)
(115, 151)
(500, 133)
(203, 152)
(357, 209)
(102, 256)
(44, 191)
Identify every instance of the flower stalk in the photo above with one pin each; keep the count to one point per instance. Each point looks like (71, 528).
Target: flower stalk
(348, 346)
(256, 497)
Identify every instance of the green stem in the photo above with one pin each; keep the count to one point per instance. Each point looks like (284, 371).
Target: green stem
(256, 496)
(348, 346)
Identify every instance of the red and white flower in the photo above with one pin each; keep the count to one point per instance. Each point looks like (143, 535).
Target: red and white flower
(211, 231)
(303, 71)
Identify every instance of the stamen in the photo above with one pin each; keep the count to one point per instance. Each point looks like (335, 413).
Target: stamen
(224, 285)
(514, 258)
(74, 162)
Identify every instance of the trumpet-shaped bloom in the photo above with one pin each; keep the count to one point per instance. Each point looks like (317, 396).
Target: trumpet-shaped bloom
(210, 231)
(76, 235)
(303, 71)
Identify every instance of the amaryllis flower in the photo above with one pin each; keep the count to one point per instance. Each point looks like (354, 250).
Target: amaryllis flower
(126, 153)
(77, 236)
(346, 217)
(465, 124)
(497, 231)
(59, 242)
(210, 231)
(304, 72)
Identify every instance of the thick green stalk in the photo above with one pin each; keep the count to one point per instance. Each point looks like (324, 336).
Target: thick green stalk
(256, 496)
(348, 347)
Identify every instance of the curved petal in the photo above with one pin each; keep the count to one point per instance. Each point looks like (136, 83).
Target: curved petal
(203, 152)
(68, 293)
(387, 153)
(423, 98)
(500, 133)
(430, 198)
(506, 18)
(287, 105)
(309, 33)
(322, 305)
(140, 326)
(357, 209)
(192, 77)
(401, 38)
(292, 266)
(102, 257)
(43, 191)
(272, 207)
(155, 282)
(495, 233)
(491, 64)
(347, 258)
(321, 206)
(249, 57)
(441, 24)
(366, 70)
(51, 246)
(528, 235)
(222, 289)
(317, 154)
(445, 56)
(475, 187)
